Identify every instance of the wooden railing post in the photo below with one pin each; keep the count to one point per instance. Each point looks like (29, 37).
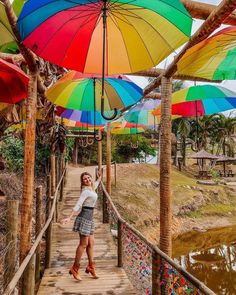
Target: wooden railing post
(105, 214)
(115, 172)
(62, 189)
(119, 244)
(38, 227)
(29, 278)
(156, 274)
(53, 174)
(48, 249)
(12, 228)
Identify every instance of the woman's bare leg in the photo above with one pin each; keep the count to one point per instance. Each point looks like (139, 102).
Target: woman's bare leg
(80, 249)
(89, 249)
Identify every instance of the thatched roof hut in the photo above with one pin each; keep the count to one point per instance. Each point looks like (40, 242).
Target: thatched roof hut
(202, 154)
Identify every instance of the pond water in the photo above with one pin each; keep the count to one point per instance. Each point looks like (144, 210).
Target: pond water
(209, 256)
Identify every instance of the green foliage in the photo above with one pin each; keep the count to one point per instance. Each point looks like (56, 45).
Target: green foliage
(12, 150)
(128, 147)
(69, 148)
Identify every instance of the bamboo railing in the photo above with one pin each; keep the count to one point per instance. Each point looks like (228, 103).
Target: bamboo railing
(28, 264)
(150, 270)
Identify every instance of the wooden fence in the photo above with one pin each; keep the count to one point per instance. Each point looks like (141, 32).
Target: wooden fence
(30, 267)
(150, 270)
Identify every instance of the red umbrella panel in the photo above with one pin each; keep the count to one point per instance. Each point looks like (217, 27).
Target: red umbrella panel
(13, 83)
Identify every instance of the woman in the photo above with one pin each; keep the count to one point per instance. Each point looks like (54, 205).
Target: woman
(84, 224)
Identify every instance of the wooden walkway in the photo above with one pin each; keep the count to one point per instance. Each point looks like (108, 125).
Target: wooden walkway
(56, 280)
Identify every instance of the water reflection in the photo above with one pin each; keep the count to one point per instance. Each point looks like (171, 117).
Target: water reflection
(209, 256)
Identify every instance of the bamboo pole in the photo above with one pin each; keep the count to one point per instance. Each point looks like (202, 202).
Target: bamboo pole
(37, 231)
(53, 174)
(11, 240)
(29, 278)
(119, 244)
(108, 167)
(214, 20)
(48, 249)
(99, 151)
(165, 168)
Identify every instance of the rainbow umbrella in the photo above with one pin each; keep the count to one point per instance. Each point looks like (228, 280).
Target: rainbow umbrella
(81, 116)
(7, 39)
(73, 34)
(213, 58)
(13, 83)
(201, 100)
(83, 91)
(145, 118)
(148, 105)
(104, 36)
(127, 130)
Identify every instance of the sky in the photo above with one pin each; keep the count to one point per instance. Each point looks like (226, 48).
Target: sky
(142, 82)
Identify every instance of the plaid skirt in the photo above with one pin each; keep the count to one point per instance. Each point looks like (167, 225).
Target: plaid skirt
(84, 222)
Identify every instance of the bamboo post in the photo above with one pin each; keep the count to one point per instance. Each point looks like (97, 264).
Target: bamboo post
(12, 228)
(108, 168)
(165, 168)
(99, 151)
(75, 152)
(62, 189)
(48, 249)
(53, 174)
(37, 231)
(29, 278)
(119, 244)
(115, 172)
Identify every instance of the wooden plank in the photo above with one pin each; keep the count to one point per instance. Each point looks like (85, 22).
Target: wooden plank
(56, 279)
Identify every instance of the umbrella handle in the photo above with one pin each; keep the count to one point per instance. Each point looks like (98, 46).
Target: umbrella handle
(103, 114)
(98, 138)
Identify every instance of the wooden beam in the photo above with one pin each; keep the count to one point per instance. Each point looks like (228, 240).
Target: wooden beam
(155, 72)
(201, 10)
(209, 26)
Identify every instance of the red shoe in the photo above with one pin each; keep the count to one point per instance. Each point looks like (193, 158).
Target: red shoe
(75, 272)
(91, 268)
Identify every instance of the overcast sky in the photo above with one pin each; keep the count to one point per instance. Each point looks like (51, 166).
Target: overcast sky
(196, 24)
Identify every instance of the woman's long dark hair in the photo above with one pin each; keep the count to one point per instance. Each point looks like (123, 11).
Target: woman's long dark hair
(81, 180)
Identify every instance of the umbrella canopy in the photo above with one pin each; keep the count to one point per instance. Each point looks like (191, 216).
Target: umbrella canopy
(124, 35)
(13, 83)
(127, 130)
(81, 116)
(213, 58)
(223, 158)
(145, 118)
(147, 105)
(77, 91)
(201, 100)
(7, 36)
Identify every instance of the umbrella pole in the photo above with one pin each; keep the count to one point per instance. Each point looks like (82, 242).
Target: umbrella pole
(197, 125)
(104, 17)
(108, 168)
(99, 137)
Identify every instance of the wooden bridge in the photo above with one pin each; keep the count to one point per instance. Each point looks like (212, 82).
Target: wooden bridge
(56, 280)
(126, 264)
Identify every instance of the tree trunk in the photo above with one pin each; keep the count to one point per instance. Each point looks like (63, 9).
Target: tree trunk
(165, 168)
(29, 163)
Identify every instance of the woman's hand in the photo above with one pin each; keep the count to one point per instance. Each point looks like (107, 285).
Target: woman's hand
(64, 220)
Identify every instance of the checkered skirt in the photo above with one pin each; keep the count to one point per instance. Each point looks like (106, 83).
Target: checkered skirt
(84, 222)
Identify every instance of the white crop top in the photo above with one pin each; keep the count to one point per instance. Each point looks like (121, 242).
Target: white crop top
(87, 198)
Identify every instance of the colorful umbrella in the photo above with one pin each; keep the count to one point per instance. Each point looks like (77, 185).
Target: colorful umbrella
(147, 105)
(201, 100)
(81, 116)
(73, 34)
(104, 37)
(13, 83)
(127, 130)
(213, 58)
(79, 91)
(7, 37)
(145, 118)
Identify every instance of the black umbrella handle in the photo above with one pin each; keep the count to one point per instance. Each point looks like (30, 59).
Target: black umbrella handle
(103, 114)
(98, 138)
